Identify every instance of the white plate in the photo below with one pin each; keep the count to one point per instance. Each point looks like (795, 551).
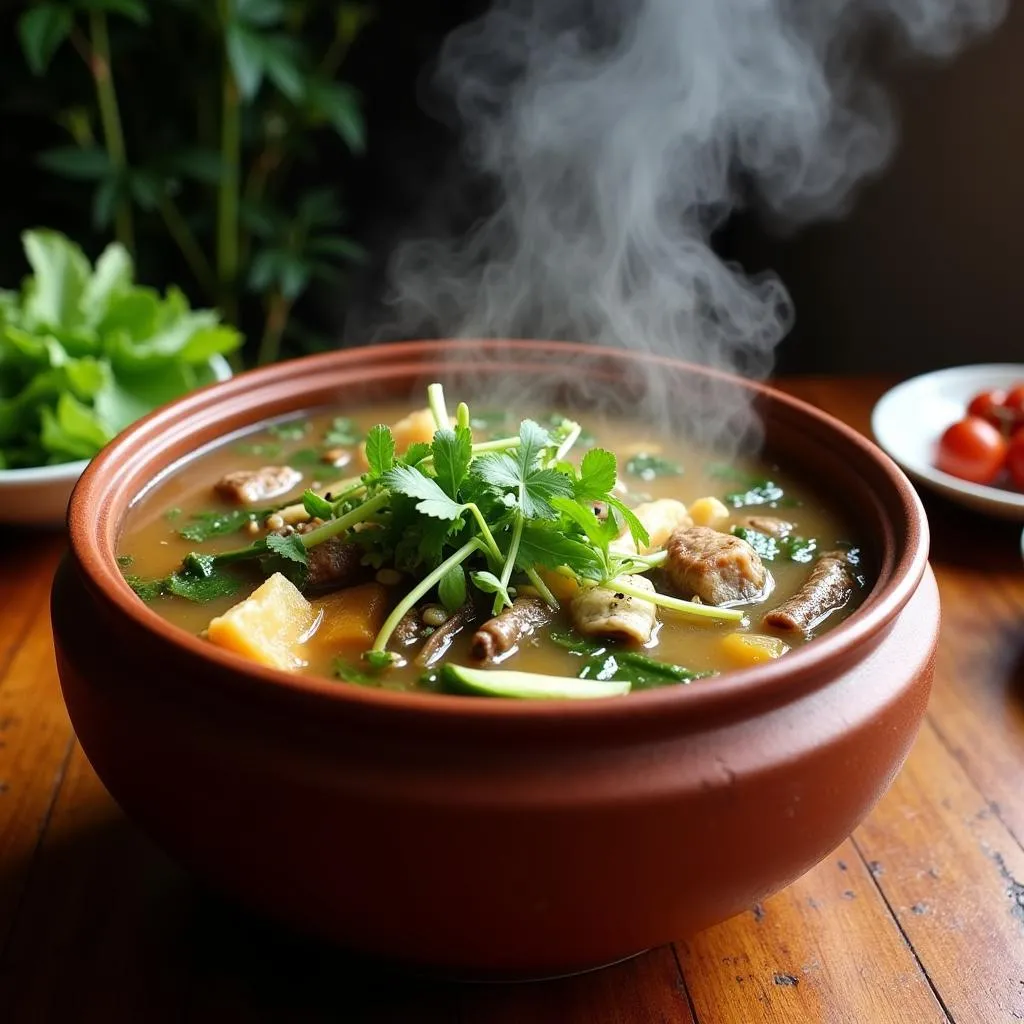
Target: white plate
(909, 420)
(39, 496)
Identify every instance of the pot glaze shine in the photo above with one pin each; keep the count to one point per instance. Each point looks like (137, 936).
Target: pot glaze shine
(484, 837)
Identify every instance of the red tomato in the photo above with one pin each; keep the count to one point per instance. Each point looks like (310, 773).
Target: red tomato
(988, 405)
(1015, 459)
(1014, 402)
(972, 450)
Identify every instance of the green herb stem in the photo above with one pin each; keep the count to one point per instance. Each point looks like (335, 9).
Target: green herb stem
(435, 399)
(490, 544)
(462, 416)
(510, 559)
(699, 611)
(110, 116)
(346, 522)
(566, 446)
(421, 588)
(543, 589)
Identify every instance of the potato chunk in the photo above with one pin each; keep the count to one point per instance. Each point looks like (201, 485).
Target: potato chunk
(709, 512)
(352, 617)
(269, 626)
(660, 519)
(752, 648)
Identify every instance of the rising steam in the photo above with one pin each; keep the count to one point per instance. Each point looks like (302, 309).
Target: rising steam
(622, 133)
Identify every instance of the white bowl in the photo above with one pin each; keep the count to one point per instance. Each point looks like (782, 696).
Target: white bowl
(38, 496)
(909, 420)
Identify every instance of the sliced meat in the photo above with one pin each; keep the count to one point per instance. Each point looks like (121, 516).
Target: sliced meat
(660, 518)
(613, 615)
(441, 639)
(408, 630)
(334, 563)
(716, 567)
(827, 589)
(771, 525)
(249, 486)
(499, 635)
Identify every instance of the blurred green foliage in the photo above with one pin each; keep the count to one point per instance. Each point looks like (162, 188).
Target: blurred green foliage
(191, 125)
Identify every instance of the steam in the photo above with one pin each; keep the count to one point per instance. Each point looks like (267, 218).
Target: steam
(622, 133)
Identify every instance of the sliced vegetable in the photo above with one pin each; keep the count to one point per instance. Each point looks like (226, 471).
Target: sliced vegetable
(351, 618)
(527, 685)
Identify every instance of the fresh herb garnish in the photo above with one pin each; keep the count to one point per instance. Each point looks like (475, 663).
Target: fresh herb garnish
(606, 660)
(352, 673)
(342, 431)
(306, 457)
(293, 430)
(84, 351)
(648, 467)
(217, 523)
(316, 506)
(796, 549)
(172, 513)
(192, 582)
(451, 590)
(125, 561)
(759, 492)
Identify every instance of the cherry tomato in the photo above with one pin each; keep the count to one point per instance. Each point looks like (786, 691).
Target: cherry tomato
(1014, 402)
(972, 450)
(988, 405)
(1015, 458)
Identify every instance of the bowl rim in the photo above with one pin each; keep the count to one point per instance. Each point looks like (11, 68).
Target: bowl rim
(772, 681)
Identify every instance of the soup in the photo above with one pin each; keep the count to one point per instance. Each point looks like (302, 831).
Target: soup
(471, 552)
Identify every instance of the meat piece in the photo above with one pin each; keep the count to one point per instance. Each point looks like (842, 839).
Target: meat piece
(500, 635)
(716, 567)
(407, 632)
(613, 615)
(771, 525)
(441, 639)
(334, 563)
(827, 589)
(660, 518)
(248, 486)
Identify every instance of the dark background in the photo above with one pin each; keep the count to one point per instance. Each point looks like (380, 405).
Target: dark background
(926, 271)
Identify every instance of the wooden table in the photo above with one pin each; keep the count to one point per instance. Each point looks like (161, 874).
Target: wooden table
(918, 918)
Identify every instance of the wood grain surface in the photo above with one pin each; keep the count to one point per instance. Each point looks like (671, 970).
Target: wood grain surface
(917, 918)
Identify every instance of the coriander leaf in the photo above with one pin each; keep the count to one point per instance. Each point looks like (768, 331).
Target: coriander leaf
(647, 466)
(533, 439)
(343, 431)
(294, 430)
(539, 489)
(760, 492)
(306, 457)
(542, 545)
(205, 525)
(597, 475)
(379, 659)
(490, 584)
(201, 589)
(499, 471)
(636, 528)
(380, 449)
(414, 484)
(317, 507)
(147, 590)
(125, 561)
(415, 453)
(290, 547)
(800, 549)
(600, 534)
(452, 450)
(766, 546)
(452, 589)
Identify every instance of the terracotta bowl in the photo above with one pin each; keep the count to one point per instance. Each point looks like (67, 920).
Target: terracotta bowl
(488, 837)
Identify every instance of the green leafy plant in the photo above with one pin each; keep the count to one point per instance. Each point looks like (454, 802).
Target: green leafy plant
(236, 142)
(84, 351)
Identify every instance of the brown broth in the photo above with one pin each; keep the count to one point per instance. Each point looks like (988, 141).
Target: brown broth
(152, 542)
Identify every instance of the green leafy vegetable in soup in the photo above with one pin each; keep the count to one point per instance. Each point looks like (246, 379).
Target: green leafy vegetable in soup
(465, 554)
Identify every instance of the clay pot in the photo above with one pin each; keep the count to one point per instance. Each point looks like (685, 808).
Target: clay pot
(478, 836)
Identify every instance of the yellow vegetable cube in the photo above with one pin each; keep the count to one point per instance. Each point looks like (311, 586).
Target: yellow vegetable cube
(269, 626)
(752, 648)
(709, 512)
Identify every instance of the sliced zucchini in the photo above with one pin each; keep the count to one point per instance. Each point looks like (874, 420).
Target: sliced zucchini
(527, 685)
